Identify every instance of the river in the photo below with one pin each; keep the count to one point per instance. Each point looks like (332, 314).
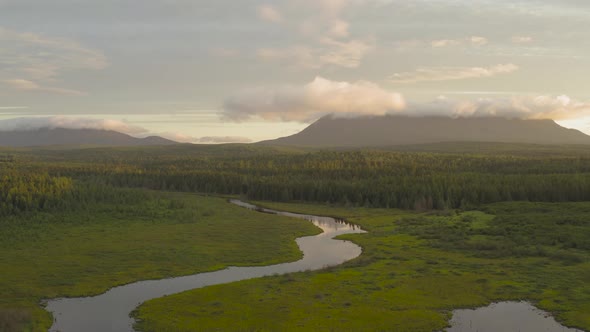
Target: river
(110, 311)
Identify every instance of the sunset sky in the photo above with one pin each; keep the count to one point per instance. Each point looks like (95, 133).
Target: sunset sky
(246, 70)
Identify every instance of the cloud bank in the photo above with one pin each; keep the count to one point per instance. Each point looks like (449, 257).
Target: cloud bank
(54, 122)
(307, 103)
(322, 96)
(518, 107)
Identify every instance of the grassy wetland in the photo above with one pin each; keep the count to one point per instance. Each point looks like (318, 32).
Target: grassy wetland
(149, 236)
(456, 229)
(415, 268)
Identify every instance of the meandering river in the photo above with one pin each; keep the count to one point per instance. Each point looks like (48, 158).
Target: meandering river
(110, 311)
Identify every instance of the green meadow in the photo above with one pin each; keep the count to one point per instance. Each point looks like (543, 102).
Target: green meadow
(415, 269)
(86, 251)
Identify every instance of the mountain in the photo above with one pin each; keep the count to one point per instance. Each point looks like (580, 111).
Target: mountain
(62, 136)
(380, 131)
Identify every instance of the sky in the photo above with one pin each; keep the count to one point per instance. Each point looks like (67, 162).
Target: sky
(238, 71)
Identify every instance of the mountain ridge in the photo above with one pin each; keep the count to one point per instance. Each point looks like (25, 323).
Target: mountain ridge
(391, 130)
(73, 137)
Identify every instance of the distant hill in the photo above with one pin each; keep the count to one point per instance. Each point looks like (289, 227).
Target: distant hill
(381, 131)
(61, 136)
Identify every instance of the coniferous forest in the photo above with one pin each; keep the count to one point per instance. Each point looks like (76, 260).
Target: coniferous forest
(94, 218)
(389, 179)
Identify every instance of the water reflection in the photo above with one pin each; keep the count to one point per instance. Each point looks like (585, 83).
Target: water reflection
(505, 316)
(110, 311)
(328, 224)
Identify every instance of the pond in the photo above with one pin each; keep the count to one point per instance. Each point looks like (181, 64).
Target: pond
(505, 316)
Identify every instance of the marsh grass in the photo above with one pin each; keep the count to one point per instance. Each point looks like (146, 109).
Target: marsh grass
(415, 269)
(14, 319)
(87, 251)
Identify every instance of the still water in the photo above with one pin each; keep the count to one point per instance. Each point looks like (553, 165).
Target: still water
(110, 311)
(506, 317)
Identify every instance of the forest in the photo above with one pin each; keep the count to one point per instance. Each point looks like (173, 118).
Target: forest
(448, 209)
(418, 180)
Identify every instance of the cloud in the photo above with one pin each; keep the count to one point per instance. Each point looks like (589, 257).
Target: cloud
(329, 52)
(424, 44)
(183, 138)
(408, 45)
(472, 41)
(52, 122)
(326, 18)
(345, 54)
(22, 84)
(431, 74)
(269, 13)
(223, 139)
(311, 101)
(339, 29)
(2, 108)
(224, 52)
(478, 41)
(320, 97)
(299, 56)
(445, 43)
(324, 35)
(521, 107)
(33, 62)
(522, 40)
(331, 7)
(26, 85)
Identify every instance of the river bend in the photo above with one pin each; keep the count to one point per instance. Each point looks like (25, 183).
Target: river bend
(110, 311)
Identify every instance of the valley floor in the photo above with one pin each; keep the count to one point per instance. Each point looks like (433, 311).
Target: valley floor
(415, 269)
(78, 222)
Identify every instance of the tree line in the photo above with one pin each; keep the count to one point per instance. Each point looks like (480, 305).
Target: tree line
(408, 180)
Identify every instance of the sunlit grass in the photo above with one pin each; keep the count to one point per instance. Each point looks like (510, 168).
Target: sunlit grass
(86, 252)
(409, 277)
